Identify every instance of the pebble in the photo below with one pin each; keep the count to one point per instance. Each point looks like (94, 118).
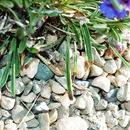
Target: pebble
(43, 72)
(1, 125)
(118, 62)
(102, 82)
(97, 59)
(7, 102)
(36, 88)
(40, 107)
(56, 87)
(19, 86)
(82, 83)
(32, 123)
(71, 123)
(95, 71)
(121, 114)
(29, 98)
(101, 105)
(112, 107)
(124, 122)
(53, 115)
(51, 39)
(28, 88)
(32, 68)
(127, 55)
(62, 81)
(19, 112)
(127, 105)
(11, 126)
(46, 92)
(26, 80)
(80, 67)
(121, 94)
(127, 88)
(110, 66)
(44, 121)
(54, 105)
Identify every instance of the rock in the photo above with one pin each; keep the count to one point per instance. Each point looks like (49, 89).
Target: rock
(46, 91)
(43, 72)
(62, 81)
(26, 80)
(110, 66)
(5, 113)
(121, 94)
(102, 82)
(127, 55)
(36, 88)
(28, 88)
(56, 87)
(112, 79)
(124, 122)
(111, 95)
(54, 106)
(40, 107)
(19, 86)
(51, 39)
(19, 112)
(112, 107)
(1, 125)
(11, 126)
(44, 121)
(97, 59)
(121, 80)
(80, 67)
(110, 120)
(32, 123)
(96, 98)
(62, 49)
(101, 105)
(31, 68)
(53, 114)
(29, 98)
(118, 62)
(127, 88)
(121, 114)
(82, 83)
(23, 126)
(71, 123)
(7, 102)
(37, 128)
(95, 71)
(127, 105)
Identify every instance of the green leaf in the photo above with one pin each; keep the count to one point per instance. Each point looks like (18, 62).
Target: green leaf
(68, 71)
(32, 50)
(19, 3)
(114, 33)
(13, 44)
(5, 73)
(117, 53)
(22, 45)
(20, 33)
(87, 42)
(17, 63)
(6, 3)
(5, 43)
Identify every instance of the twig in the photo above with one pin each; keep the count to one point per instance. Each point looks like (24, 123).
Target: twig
(28, 111)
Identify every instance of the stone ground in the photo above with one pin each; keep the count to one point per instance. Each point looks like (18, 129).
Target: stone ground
(101, 95)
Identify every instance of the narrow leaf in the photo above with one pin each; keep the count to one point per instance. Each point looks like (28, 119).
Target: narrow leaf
(22, 45)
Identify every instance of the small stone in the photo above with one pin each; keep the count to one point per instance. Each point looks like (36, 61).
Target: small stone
(19, 112)
(80, 67)
(56, 87)
(54, 105)
(40, 107)
(46, 92)
(32, 68)
(11, 126)
(26, 80)
(112, 107)
(62, 81)
(44, 121)
(121, 80)
(29, 98)
(1, 125)
(112, 79)
(121, 114)
(23, 126)
(97, 59)
(51, 39)
(101, 105)
(43, 72)
(53, 114)
(7, 102)
(96, 98)
(121, 94)
(5, 113)
(127, 55)
(82, 83)
(110, 66)
(32, 123)
(28, 88)
(36, 88)
(95, 71)
(118, 62)
(19, 86)
(81, 102)
(71, 123)
(124, 122)
(111, 95)
(127, 105)
(102, 82)
(37, 128)
(127, 91)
